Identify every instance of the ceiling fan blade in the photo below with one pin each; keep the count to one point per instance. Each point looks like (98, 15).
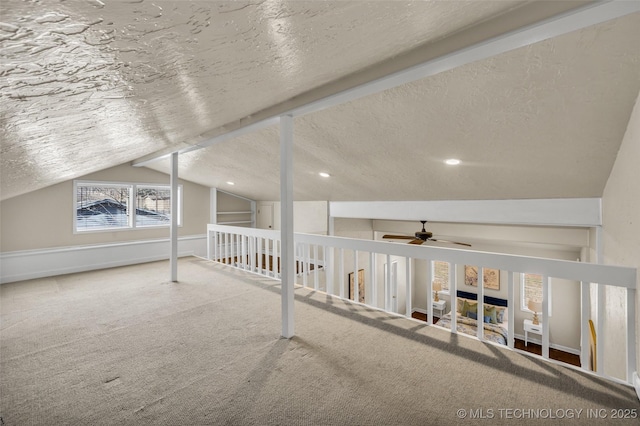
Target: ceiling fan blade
(398, 237)
(416, 241)
(450, 242)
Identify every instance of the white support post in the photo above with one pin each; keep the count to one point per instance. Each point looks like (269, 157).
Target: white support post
(480, 312)
(387, 287)
(260, 242)
(407, 299)
(174, 217)
(247, 252)
(213, 205)
(631, 334)
(585, 313)
(234, 250)
(373, 294)
(226, 247)
(545, 316)
(511, 314)
(307, 261)
(316, 285)
(356, 281)
(429, 292)
(253, 246)
(287, 277)
(453, 293)
(341, 269)
(600, 309)
(325, 250)
(304, 263)
(329, 260)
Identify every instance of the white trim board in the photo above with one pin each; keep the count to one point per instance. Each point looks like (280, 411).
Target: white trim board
(582, 212)
(30, 264)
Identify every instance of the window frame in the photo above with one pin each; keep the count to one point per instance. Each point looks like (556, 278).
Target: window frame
(523, 299)
(132, 205)
(155, 186)
(446, 282)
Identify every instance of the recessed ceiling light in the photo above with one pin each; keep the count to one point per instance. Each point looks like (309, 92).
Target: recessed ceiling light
(324, 174)
(452, 161)
(230, 183)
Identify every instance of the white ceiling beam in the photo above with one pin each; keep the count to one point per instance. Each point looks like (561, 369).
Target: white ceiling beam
(582, 212)
(563, 23)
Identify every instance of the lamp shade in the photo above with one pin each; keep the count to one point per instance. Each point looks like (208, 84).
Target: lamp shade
(534, 305)
(437, 286)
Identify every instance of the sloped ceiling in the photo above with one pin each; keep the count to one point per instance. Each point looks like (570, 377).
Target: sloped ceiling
(88, 85)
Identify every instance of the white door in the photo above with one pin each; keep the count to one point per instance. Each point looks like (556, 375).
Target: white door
(264, 219)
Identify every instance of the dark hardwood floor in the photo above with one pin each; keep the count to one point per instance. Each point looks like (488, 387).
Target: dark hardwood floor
(531, 347)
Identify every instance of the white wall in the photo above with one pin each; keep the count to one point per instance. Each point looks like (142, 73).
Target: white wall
(44, 218)
(309, 217)
(621, 241)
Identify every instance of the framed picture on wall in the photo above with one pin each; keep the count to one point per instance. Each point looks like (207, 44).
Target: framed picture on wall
(491, 277)
(360, 285)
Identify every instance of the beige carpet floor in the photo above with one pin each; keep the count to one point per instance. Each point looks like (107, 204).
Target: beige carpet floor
(124, 346)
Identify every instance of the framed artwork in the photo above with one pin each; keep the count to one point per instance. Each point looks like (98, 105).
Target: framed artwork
(491, 277)
(360, 285)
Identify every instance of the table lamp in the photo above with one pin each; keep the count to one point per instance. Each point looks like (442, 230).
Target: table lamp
(437, 286)
(535, 306)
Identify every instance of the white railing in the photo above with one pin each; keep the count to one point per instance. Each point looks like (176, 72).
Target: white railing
(320, 263)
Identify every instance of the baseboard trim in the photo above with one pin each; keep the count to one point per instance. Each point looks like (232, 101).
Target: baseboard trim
(31, 264)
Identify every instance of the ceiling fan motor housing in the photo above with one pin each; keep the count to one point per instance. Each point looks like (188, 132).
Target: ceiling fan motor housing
(424, 235)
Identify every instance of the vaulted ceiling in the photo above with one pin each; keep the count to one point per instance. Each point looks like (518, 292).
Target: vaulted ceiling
(88, 85)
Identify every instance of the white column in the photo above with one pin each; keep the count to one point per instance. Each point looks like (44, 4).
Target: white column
(631, 335)
(480, 314)
(585, 332)
(453, 293)
(511, 312)
(287, 277)
(174, 217)
(407, 298)
(329, 259)
(600, 308)
(545, 316)
(429, 292)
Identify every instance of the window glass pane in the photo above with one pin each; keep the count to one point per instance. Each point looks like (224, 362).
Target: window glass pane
(153, 206)
(441, 273)
(102, 206)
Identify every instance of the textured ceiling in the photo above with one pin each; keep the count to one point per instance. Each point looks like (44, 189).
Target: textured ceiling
(544, 121)
(88, 85)
(128, 78)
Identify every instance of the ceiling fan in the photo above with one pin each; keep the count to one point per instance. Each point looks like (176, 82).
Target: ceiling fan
(421, 237)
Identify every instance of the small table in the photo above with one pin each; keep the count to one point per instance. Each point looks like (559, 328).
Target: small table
(440, 306)
(530, 327)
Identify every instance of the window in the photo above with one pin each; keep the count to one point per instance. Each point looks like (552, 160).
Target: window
(153, 205)
(531, 289)
(440, 272)
(110, 206)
